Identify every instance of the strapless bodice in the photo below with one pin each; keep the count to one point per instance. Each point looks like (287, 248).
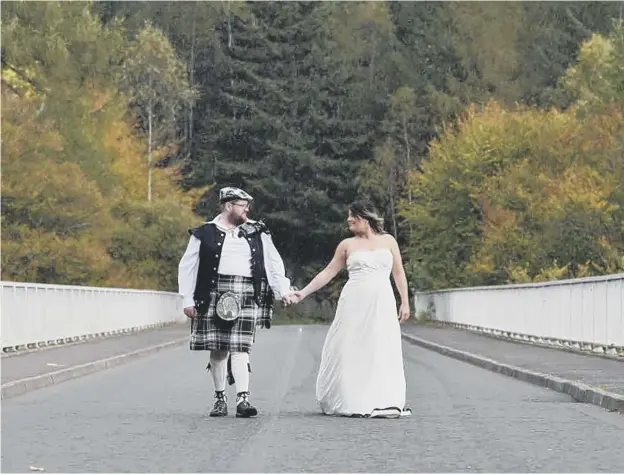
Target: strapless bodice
(374, 263)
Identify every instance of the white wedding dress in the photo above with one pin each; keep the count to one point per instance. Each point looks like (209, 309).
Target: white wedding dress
(361, 371)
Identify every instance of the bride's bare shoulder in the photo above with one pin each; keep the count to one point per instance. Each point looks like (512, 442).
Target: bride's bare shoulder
(389, 240)
(345, 244)
(386, 237)
(340, 255)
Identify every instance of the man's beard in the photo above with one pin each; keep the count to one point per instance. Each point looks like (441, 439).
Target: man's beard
(238, 220)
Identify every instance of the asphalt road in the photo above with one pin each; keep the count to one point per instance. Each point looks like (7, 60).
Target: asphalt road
(151, 416)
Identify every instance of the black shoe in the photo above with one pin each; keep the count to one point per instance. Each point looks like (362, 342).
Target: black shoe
(244, 409)
(220, 406)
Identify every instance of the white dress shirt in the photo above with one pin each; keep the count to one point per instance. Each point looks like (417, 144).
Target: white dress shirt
(235, 260)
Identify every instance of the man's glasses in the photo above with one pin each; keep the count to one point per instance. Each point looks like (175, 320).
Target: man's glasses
(245, 206)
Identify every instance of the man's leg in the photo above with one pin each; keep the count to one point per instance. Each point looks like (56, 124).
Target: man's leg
(240, 371)
(218, 366)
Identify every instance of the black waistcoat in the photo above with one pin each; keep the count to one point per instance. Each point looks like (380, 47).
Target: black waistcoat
(210, 249)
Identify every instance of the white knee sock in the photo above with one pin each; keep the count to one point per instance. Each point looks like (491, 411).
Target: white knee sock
(240, 370)
(218, 367)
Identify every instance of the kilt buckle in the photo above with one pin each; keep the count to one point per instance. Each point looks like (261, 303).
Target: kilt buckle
(228, 306)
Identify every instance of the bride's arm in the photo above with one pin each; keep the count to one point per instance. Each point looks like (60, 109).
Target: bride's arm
(328, 273)
(398, 273)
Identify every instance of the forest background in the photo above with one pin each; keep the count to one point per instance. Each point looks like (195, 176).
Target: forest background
(489, 134)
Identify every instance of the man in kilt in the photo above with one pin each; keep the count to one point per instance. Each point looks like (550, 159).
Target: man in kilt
(229, 277)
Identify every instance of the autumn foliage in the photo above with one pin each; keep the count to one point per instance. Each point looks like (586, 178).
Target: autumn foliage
(491, 144)
(525, 195)
(74, 162)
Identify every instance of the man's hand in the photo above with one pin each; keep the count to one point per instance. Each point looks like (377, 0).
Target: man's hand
(291, 298)
(286, 299)
(404, 312)
(190, 312)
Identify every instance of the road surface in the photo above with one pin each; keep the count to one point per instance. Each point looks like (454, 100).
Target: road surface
(152, 416)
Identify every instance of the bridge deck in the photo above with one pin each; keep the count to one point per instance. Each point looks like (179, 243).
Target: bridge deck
(596, 371)
(151, 416)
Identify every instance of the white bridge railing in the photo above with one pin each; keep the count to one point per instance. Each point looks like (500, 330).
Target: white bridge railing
(585, 313)
(39, 314)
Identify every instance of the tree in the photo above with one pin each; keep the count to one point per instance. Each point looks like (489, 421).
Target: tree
(597, 81)
(71, 159)
(154, 77)
(51, 211)
(514, 196)
(401, 152)
(281, 122)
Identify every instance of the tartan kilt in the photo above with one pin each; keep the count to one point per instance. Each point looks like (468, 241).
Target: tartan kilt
(211, 333)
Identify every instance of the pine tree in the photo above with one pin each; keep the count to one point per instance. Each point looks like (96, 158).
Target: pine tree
(278, 121)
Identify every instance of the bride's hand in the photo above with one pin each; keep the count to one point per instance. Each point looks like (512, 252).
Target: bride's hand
(295, 297)
(404, 312)
(292, 297)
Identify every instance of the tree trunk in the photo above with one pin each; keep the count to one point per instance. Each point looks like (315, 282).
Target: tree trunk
(394, 224)
(149, 153)
(408, 159)
(229, 24)
(191, 84)
(391, 182)
(371, 67)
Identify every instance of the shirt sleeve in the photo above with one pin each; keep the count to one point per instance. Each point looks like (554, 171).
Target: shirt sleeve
(274, 267)
(187, 272)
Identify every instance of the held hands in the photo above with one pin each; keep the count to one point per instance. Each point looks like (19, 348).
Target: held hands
(292, 298)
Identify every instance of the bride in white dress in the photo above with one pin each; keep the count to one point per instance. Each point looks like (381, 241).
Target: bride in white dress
(361, 371)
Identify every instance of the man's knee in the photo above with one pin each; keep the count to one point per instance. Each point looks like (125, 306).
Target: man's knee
(244, 356)
(218, 355)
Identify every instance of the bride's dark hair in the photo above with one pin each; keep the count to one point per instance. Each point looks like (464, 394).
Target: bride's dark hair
(367, 211)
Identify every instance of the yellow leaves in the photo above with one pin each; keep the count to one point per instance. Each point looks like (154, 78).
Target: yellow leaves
(525, 195)
(539, 189)
(496, 219)
(189, 198)
(129, 163)
(58, 223)
(596, 79)
(553, 272)
(19, 84)
(54, 214)
(97, 98)
(63, 187)
(19, 125)
(72, 160)
(594, 55)
(36, 255)
(519, 274)
(579, 184)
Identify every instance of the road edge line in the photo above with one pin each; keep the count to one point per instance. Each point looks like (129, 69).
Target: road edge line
(577, 390)
(38, 347)
(26, 385)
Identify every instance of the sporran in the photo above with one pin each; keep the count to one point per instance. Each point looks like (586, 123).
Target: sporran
(228, 306)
